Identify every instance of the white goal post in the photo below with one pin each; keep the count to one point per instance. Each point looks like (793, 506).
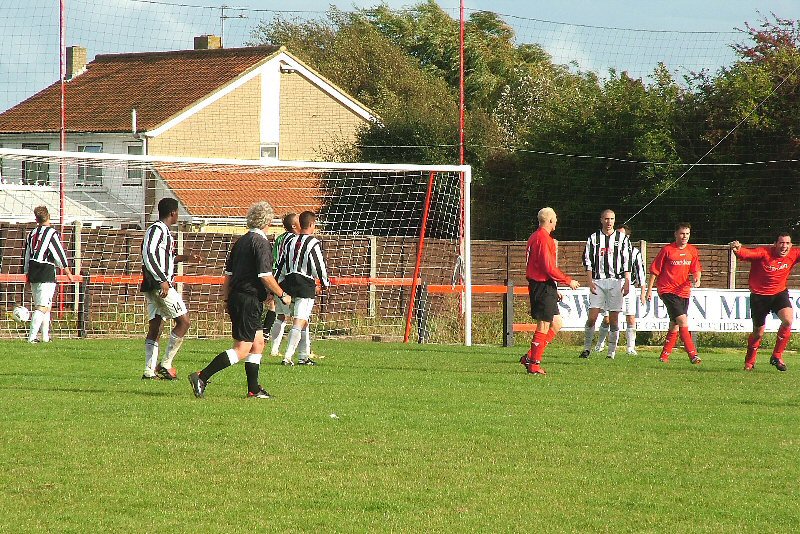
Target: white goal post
(396, 238)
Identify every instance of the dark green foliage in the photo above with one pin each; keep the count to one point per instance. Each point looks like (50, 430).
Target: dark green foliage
(540, 133)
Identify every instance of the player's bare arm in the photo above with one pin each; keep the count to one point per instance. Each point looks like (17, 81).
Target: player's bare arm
(574, 284)
(590, 282)
(696, 276)
(650, 283)
(735, 246)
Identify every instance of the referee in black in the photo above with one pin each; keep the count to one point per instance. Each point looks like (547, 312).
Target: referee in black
(248, 278)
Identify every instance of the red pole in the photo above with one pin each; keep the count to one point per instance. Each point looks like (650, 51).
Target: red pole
(461, 129)
(461, 88)
(418, 265)
(63, 130)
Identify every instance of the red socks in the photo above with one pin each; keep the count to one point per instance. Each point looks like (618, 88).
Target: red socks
(538, 345)
(551, 335)
(669, 344)
(688, 342)
(753, 343)
(784, 334)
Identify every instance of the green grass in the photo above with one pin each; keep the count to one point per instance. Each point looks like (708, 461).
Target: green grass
(427, 439)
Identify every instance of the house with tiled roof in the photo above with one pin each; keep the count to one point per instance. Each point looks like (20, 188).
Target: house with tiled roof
(240, 103)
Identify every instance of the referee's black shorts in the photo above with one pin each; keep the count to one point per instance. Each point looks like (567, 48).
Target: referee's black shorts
(675, 304)
(544, 300)
(761, 305)
(245, 312)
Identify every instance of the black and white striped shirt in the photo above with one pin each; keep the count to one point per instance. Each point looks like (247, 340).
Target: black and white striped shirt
(158, 256)
(607, 256)
(637, 267)
(300, 264)
(43, 253)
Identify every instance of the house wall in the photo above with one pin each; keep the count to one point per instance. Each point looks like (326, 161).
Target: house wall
(227, 128)
(114, 178)
(312, 122)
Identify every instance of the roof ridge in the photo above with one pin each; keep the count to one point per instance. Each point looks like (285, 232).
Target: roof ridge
(243, 50)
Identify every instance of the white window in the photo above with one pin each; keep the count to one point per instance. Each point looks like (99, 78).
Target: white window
(35, 172)
(135, 175)
(269, 151)
(90, 174)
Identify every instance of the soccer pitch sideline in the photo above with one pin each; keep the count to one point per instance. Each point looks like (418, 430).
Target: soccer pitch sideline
(386, 437)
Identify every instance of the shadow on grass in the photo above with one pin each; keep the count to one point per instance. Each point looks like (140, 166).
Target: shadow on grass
(48, 387)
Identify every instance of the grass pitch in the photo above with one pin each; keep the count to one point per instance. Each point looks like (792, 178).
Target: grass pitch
(424, 439)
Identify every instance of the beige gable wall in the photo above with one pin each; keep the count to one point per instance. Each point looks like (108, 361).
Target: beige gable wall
(227, 128)
(311, 120)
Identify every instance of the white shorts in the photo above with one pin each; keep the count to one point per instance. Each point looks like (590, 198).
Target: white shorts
(609, 294)
(169, 307)
(629, 301)
(42, 293)
(299, 308)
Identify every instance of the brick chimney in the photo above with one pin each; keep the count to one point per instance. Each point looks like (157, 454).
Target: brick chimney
(207, 42)
(76, 61)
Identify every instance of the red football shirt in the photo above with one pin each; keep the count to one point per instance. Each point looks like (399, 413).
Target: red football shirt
(541, 258)
(769, 272)
(672, 266)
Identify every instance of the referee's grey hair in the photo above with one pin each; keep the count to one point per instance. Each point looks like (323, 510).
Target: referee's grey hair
(259, 215)
(546, 215)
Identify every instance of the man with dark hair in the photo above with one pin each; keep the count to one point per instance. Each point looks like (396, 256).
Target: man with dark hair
(672, 268)
(543, 274)
(159, 256)
(770, 268)
(43, 253)
(291, 225)
(301, 264)
(248, 279)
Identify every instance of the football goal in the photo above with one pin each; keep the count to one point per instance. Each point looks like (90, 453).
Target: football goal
(396, 238)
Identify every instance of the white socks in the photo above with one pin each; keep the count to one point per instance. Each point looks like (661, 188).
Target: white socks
(589, 336)
(305, 344)
(613, 340)
(294, 340)
(150, 357)
(276, 335)
(631, 338)
(36, 323)
(173, 346)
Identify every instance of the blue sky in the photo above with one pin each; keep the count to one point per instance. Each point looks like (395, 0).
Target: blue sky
(29, 48)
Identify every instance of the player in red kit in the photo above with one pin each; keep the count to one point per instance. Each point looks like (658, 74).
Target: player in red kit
(671, 270)
(769, 271)
(543, 274)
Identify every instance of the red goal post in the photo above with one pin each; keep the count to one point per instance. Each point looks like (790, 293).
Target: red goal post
(397, 251)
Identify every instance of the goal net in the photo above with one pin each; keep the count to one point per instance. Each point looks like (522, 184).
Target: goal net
(392, 235)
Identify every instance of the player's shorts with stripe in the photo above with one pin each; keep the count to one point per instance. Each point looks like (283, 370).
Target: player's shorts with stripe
(761, 305)
(42, 293)
(245, 312)
(169, 307)
(300, 308)
(609, 294)
(676, 305)
(544, 300)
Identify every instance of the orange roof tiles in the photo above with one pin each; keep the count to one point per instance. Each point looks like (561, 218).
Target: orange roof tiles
(213, 193)
(157, 84)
